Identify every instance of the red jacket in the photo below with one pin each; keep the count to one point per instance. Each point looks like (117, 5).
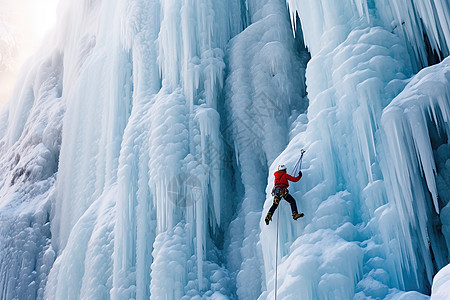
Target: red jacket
(281, 178)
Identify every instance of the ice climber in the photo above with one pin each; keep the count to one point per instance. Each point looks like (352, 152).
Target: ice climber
(280, 190)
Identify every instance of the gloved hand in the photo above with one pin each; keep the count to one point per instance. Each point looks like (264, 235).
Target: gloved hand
(300, 173)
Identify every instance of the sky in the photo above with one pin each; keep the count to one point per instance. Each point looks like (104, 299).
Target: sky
(23, 25)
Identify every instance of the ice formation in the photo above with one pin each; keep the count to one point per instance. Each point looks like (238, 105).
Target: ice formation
(8, 45)
(138, 149)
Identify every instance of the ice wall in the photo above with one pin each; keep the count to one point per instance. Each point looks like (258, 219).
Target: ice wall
(138, 153)
(136, 86)
(264, 93)
(416, 128)
(154, 85)
(422, 24)
(352, 240)
(30, 148)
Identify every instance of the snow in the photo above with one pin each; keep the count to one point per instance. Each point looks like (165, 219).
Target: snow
(440, 289)
(138, 153)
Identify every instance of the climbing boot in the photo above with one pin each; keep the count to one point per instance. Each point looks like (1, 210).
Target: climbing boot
(297, 215)
(268, 218)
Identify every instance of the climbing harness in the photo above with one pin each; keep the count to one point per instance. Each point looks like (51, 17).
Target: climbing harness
(279, 192)
(297, 168)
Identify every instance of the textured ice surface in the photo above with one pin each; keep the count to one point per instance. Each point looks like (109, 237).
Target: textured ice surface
(441, 285)
(349, 192)
(138, 150)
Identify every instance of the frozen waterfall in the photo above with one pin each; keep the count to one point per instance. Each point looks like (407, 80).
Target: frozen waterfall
(139, 146)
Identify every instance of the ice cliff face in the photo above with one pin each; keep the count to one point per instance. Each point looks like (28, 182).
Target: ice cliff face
(138, 150)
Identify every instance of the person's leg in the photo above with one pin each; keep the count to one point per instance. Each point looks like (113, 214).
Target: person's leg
(272, 209)
(274, 206)
(291, 201)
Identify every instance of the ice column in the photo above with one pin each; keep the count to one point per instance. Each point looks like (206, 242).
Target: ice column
(415, 124)
(264, 92)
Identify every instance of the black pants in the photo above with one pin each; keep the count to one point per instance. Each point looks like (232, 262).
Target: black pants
(286, 197)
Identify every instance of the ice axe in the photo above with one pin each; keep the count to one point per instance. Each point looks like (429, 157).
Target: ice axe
(298, 164)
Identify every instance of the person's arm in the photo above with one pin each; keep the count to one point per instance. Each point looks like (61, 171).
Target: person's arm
(294, 179)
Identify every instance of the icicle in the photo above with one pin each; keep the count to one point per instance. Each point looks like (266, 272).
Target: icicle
(211, 153)
(407, 133)
(200, 223)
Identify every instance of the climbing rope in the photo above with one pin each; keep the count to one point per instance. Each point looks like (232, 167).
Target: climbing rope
(276, 257)
(297, 167)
